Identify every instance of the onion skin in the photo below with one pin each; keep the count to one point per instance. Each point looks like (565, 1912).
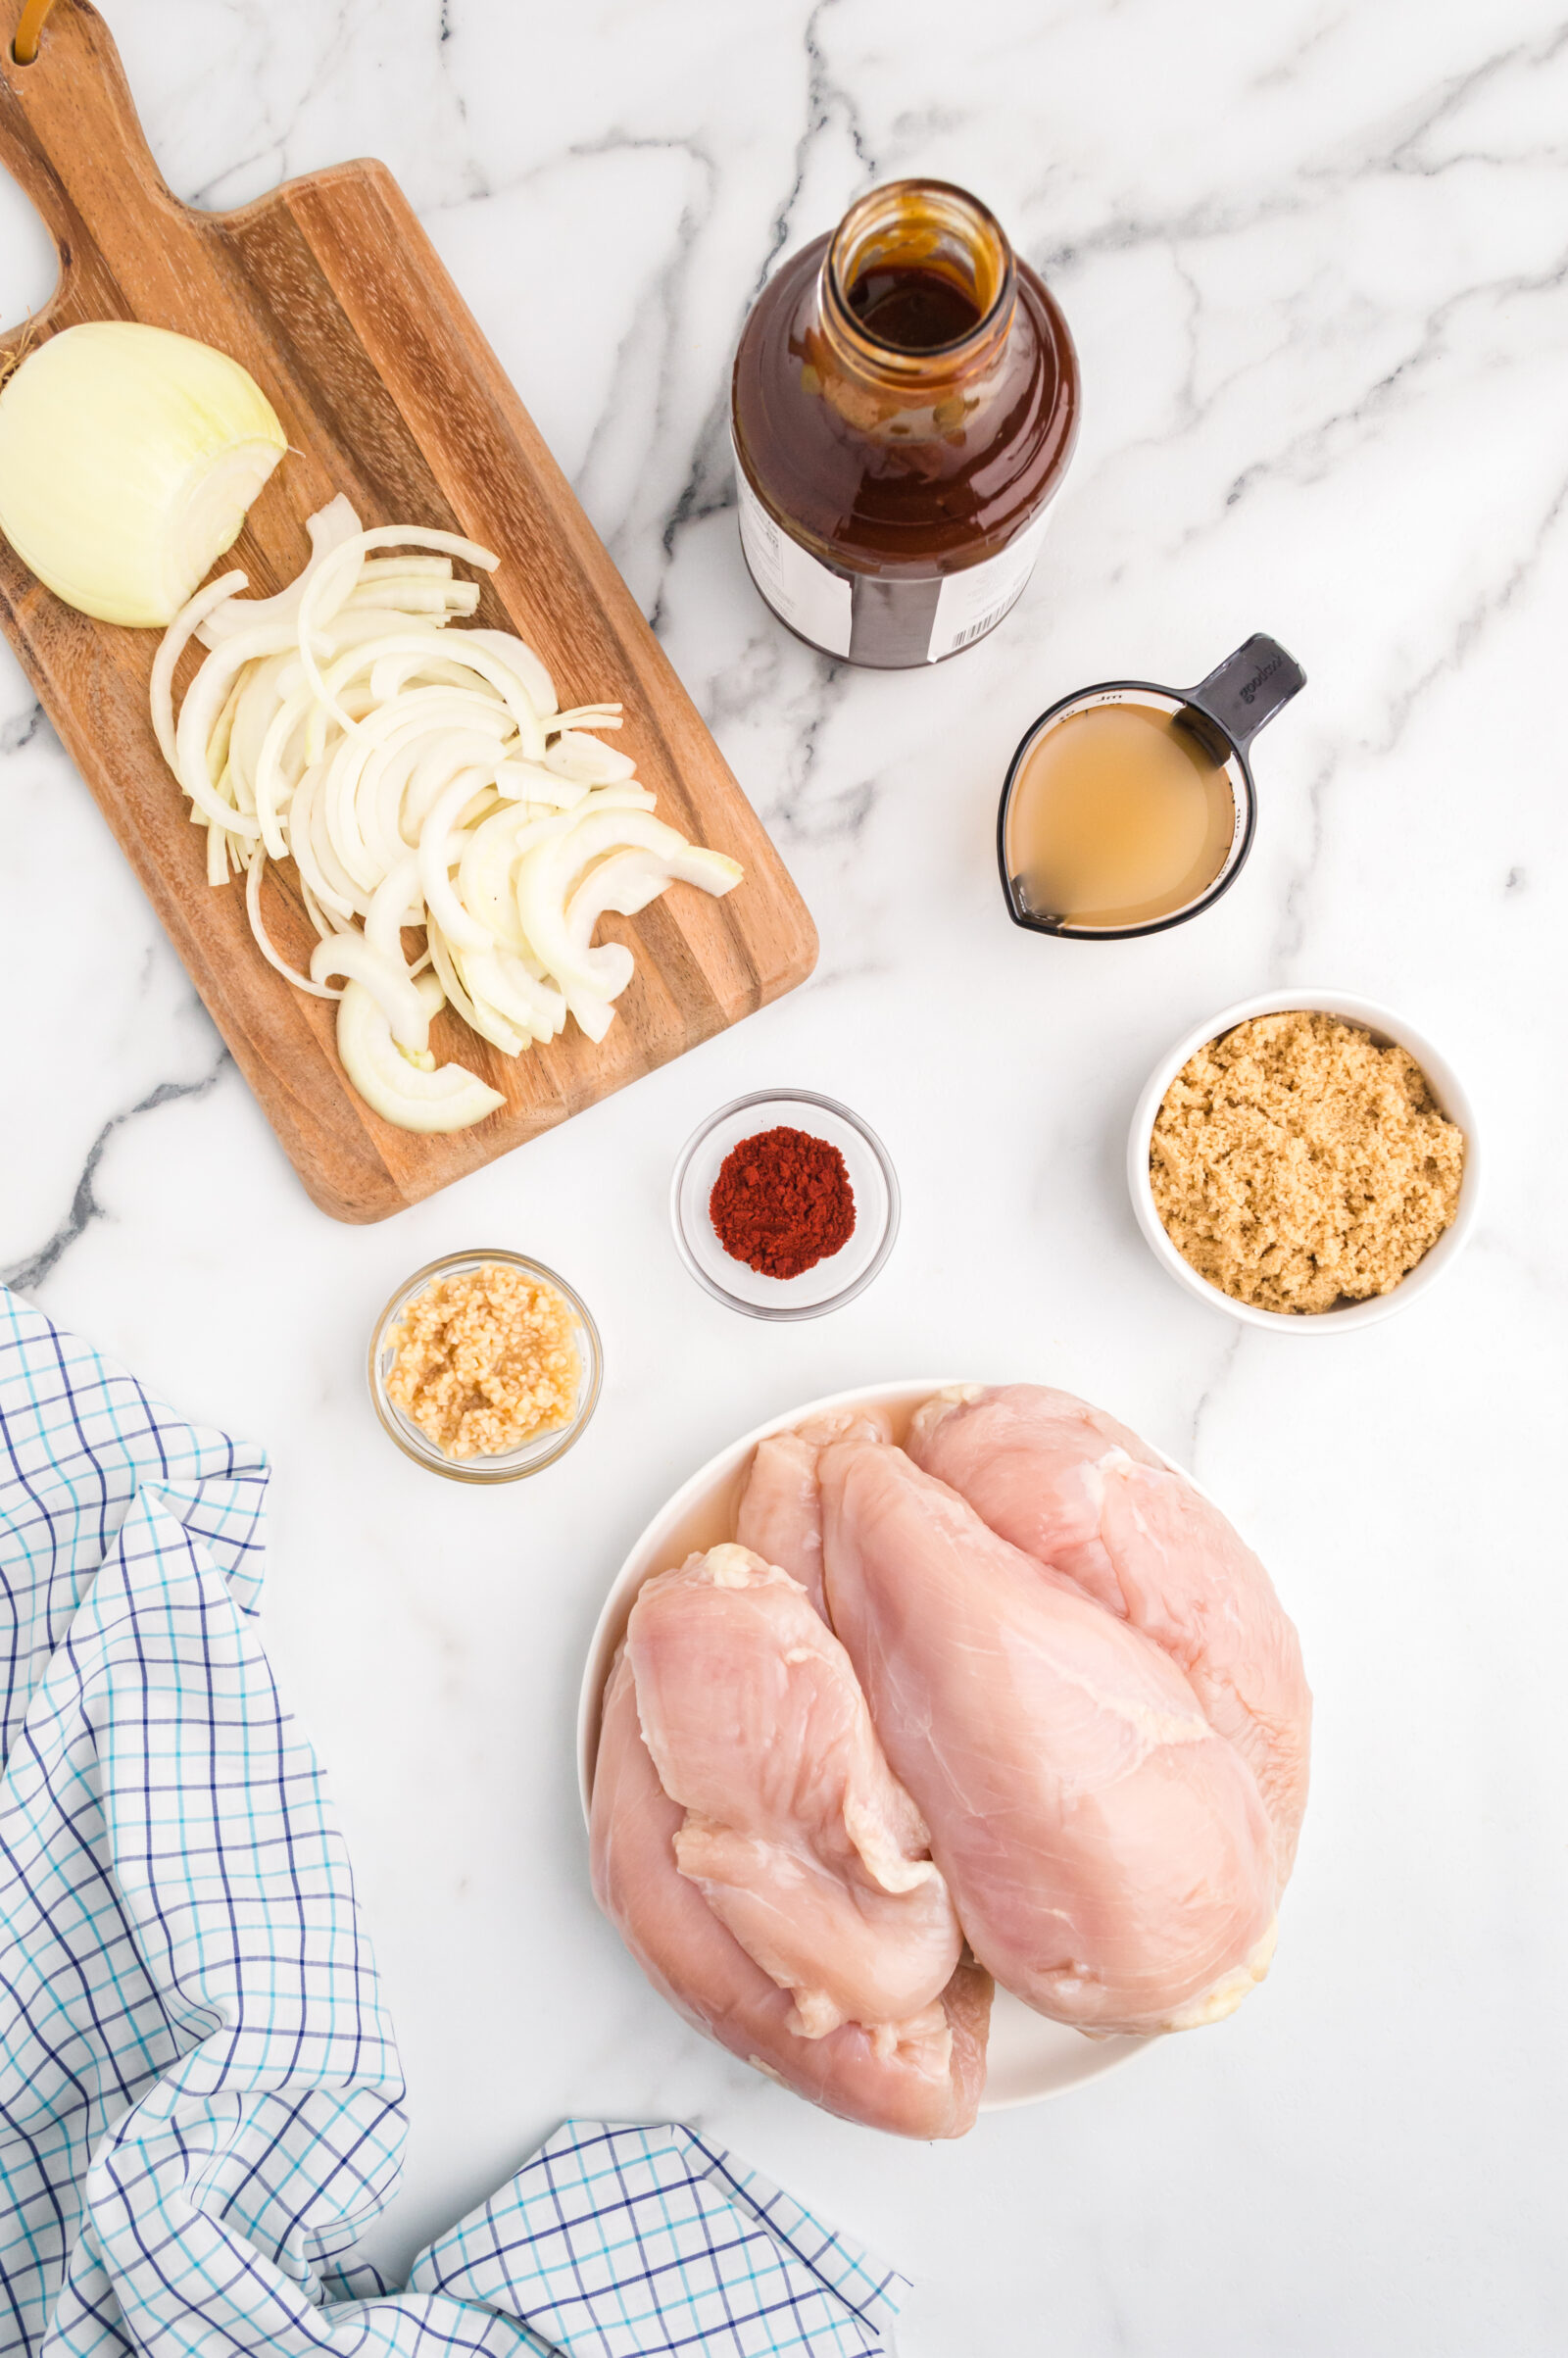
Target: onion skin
(128, 457)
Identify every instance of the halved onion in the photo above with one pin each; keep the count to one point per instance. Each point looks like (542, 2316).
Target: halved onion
(128, 457)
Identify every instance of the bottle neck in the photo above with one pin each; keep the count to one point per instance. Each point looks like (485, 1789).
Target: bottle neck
(915, 303)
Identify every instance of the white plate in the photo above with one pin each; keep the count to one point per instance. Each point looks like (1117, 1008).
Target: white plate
(1385, 1025)
(1028, 2057)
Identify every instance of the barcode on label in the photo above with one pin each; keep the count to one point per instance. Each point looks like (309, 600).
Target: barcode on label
(988, 621)
(972, 602)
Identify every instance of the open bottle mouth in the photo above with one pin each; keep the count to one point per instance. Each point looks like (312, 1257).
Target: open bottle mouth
(919, 270)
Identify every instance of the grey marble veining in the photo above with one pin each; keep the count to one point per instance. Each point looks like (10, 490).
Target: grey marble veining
(1316, 261)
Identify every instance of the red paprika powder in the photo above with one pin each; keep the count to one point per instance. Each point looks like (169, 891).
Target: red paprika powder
(782, 1203)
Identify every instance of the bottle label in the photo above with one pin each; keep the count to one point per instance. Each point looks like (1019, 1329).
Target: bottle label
(973, 601)
(803, 592)
(881, 623)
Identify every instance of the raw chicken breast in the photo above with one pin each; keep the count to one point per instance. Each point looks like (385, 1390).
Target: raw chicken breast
(799, 1839)
(1036, 1452)
(1109, 1855)
(922, 2078)
(1087, 1498)
(780, 1513)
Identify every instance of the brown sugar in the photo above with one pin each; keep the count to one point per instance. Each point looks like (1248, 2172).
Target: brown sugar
(1297, 1164)
(485, 1359)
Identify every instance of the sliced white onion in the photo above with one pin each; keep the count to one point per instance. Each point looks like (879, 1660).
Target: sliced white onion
(331, 583)
(175, 639)
(387, 980)
(450, 1098)
(501, 981)
(394, 904)
(478, 1013)
(325, 926)
(318, 890)
(585, 759)
(531, 782)
(625, 882)
(435, 858)
(418, 774)
(253, 909)
(217, 855)
(454, 650)
(486, 874)
(526, 665)
(329, 528)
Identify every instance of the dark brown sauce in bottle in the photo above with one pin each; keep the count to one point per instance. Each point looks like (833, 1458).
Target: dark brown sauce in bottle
(914, 308)
(905, 403)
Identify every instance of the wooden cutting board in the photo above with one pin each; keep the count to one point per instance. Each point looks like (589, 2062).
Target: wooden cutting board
(331, 295)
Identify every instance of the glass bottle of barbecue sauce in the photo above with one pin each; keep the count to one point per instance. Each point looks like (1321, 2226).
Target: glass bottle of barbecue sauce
(905, 404)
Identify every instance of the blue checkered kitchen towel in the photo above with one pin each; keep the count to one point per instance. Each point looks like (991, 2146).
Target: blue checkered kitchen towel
(199, 2099)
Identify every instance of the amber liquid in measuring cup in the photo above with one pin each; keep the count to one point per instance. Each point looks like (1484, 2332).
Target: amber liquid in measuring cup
(903, 406)
(1121, 813)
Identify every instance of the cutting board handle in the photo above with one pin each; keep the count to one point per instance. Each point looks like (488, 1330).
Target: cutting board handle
(70, 138)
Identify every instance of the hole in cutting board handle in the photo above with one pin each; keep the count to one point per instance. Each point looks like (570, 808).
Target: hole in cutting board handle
(30, 267)
(70, 138)
(29, 30)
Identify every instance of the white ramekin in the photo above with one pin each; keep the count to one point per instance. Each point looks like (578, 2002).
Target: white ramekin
(1385, 1025)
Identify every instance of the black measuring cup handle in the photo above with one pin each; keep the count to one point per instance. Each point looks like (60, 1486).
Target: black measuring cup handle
(1248, 688)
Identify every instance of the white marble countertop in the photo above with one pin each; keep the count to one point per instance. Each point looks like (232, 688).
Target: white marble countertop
(1314, 258)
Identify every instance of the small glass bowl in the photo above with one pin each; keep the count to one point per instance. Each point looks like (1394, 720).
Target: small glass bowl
(832, 1282)
(532, 1457)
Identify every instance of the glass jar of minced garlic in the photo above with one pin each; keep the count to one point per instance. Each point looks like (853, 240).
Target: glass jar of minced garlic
(1298, 1165)
(485, 1359)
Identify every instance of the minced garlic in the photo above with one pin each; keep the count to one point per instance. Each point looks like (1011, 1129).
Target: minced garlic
(485, 1359)
(1297, 1164)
